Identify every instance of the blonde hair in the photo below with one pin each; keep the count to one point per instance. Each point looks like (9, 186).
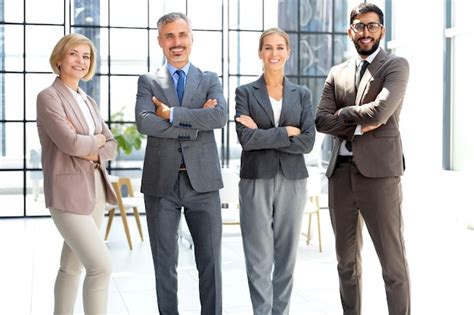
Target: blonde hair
(65, 44)
(274, 30)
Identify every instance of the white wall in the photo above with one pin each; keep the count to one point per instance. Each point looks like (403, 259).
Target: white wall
(418, 36)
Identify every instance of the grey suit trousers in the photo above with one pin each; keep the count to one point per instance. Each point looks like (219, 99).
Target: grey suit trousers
(203, 216)
(353, 199)
(271, 212)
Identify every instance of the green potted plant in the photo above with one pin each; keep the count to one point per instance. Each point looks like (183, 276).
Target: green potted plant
(127, 136)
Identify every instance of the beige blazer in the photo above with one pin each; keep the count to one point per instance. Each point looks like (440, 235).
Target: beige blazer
(68, 179)
(378, 100)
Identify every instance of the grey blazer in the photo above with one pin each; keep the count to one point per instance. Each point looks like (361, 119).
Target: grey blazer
(190, 135)
(268, 148)
(378, 100)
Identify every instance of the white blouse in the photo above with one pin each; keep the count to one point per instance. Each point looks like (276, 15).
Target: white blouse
(276, 106)
(85, 111)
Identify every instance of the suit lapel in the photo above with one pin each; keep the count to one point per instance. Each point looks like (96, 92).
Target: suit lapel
(289, 99)
(261, 95)
(373, 67)
(350, 81)
(192, 82)
(73, 107)
(166, 84)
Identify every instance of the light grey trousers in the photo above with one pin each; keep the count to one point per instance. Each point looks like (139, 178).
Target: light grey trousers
(83, 246)
(271, 212)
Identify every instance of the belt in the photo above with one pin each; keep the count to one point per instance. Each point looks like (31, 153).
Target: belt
(182, 167)
(345, 158)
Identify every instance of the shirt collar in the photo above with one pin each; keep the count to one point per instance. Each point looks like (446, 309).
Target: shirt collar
(172, 69)
(370, 58)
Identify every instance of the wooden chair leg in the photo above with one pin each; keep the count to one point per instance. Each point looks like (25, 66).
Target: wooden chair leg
(123, 214)
(308, 233)
(139, 224)
(109, 222)
(319, 231)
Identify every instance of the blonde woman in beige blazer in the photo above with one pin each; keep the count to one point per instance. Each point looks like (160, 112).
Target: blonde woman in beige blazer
(76, 144)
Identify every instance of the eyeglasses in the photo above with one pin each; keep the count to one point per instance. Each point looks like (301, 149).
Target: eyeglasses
(372, 27)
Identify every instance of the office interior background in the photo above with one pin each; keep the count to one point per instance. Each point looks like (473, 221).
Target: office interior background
(435, 36)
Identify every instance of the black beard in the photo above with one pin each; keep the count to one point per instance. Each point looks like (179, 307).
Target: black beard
(366, 53)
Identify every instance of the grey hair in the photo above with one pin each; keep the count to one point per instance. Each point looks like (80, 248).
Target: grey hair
(171, 17)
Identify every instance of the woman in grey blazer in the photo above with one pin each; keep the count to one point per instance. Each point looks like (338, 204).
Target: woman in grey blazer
(75, 145)
(275, 126)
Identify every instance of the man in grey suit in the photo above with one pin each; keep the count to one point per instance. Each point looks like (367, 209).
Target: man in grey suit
(361, 111)
(178, 107)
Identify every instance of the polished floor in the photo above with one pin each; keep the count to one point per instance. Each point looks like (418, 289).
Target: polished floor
(440, 250)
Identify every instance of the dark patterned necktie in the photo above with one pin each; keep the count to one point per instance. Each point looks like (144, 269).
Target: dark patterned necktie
(361, 72)
(359, 75)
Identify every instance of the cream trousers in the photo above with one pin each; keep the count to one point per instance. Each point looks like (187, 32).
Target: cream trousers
(83, 247)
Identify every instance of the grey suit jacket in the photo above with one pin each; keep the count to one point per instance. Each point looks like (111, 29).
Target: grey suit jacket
(190, 135)
(268, 148)
(378, 100)
(69, 182)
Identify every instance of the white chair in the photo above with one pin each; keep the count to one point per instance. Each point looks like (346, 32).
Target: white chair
(312, 206)
(230, 197)
(124, 203)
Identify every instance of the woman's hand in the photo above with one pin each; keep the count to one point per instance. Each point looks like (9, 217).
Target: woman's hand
(293, 131)
(247, 121)
(100, 140)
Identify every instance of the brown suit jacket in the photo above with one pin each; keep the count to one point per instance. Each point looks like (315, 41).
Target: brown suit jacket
(378, 100)
(68, 179)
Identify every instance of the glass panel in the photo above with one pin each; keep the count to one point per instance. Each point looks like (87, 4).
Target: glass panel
(33, 146)
(133, 160)
(234, 82)
(35, 83)
(288, 15)
(243, 53)
(11, 145)
(235, 149)
(315, 85)
(12, 43)
(343, 48)
(316, 15)
(126, 13)
(202, 21)
(123, 91)
(207, 51)
(103, 100)
(12, 11)
(45, 11)
(245, 14)
(291, 66)
(128, 51)
(156, 53)
(342, 10)
(35, 204)
(14, 98)
(40, 41)
(11, 193)
(271, 15)
(315, 54)
(159, 8)
(463, 149)
(89, 12)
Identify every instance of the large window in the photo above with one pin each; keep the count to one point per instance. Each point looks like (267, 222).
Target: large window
(458, 148)
(225, 41)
